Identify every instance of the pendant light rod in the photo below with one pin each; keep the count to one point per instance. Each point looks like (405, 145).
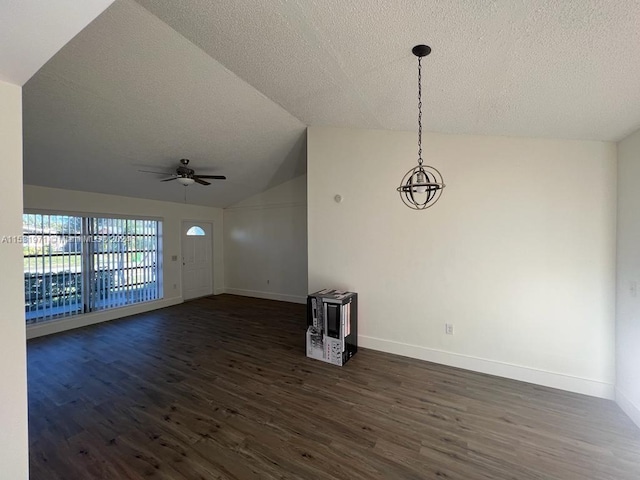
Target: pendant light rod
(420, 51)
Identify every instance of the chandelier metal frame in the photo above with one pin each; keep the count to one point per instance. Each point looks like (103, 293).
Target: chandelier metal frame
(421, 186)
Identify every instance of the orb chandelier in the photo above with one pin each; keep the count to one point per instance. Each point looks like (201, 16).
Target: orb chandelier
(421, 186)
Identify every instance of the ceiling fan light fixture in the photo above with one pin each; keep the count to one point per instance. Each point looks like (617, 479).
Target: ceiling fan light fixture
(186, 181)
(186, 176)
(421, 186)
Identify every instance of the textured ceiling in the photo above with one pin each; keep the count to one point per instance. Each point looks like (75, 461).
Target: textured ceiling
(563, 69)
(139, 89)
(130, 93)
(33, 31)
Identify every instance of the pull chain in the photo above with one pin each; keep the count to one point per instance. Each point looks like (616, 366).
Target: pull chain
(419, 110)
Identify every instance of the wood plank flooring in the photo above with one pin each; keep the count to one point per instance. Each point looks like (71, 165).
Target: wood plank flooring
(219, 388)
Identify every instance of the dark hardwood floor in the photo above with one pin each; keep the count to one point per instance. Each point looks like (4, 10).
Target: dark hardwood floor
(219, 388)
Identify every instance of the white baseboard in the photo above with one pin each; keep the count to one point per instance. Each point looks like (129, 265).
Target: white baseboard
(491, 367)
(78, 321)
(628, 407)
(267, 295)
(218, 291)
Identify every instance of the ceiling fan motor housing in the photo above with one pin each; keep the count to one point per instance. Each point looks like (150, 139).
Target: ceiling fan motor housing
(184, 172)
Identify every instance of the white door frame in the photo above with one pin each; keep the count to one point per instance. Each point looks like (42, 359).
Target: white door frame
(183, 232)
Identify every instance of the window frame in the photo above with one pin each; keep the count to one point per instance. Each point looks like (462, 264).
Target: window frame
(91, 265)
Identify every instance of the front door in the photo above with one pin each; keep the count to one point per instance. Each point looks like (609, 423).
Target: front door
(197, 267)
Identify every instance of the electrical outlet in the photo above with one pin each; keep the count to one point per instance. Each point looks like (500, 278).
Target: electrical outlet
(448, 328)
(175, 286)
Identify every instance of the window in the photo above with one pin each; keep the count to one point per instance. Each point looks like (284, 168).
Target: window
(52, 265)
(195, 232)
(76, 265)
(124, 257)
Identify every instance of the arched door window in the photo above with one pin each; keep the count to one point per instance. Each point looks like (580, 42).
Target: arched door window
(195, 231)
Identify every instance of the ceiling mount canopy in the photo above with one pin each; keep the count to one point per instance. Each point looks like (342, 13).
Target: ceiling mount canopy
(421, 186)
(421, 51)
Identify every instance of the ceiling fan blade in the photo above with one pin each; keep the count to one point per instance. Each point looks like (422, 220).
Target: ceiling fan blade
(168, 179)
(157, 173)
(200, 181)
(216, 177)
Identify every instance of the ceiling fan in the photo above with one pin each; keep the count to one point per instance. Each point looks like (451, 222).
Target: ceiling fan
(186, 176)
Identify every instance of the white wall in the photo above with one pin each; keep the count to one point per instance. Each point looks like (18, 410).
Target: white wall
(172, 214)
(265, 244)
(519, 253)
(13, 370)
(628, 297)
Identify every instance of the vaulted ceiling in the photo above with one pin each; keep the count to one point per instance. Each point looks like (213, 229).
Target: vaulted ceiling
(232, 85)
